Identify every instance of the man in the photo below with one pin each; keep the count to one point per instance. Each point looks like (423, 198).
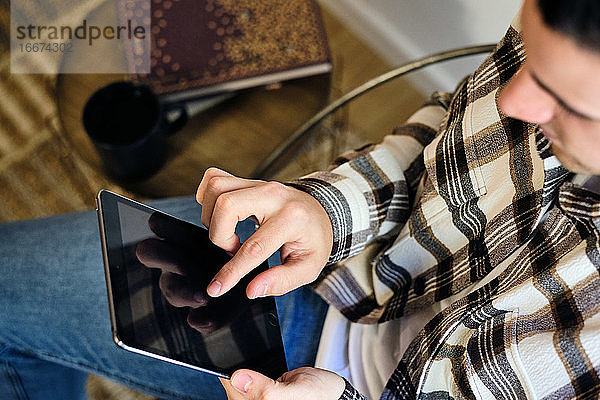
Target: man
(474, 232)
(499, 232)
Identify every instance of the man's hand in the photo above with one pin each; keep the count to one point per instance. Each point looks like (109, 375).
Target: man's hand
(299, 384)
(289, 219)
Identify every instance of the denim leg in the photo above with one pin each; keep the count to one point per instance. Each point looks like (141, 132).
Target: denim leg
(301, 315)
(40, 377)
(54, 319)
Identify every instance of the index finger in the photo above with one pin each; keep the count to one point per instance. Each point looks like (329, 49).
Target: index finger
(253, 252)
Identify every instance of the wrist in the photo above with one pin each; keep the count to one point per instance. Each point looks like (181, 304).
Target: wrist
(334, 206)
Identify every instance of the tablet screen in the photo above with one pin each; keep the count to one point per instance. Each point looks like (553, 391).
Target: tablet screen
(158, 268)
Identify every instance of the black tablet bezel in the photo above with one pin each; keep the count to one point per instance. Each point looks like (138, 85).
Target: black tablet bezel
(116, 283)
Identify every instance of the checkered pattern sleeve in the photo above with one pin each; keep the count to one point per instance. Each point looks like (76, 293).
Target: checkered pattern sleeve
(350, 393)
(368, 193)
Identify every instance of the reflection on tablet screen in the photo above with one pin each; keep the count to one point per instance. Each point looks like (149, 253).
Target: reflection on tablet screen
(160, 267)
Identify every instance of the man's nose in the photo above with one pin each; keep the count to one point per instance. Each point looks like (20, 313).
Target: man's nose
(523, 99)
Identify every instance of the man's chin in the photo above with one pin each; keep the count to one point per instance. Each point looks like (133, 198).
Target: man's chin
(564, 160)
(571, 163)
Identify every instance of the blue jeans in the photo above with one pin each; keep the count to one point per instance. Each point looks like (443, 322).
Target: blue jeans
(54, 319)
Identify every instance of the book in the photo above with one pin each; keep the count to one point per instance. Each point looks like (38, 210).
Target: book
(208, 47)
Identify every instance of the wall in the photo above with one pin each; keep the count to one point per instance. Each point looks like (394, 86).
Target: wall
(402, 30)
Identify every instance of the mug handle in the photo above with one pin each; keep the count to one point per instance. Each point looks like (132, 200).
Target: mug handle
(180, 121)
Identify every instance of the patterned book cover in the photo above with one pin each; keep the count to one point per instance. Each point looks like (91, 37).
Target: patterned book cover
(204, 47)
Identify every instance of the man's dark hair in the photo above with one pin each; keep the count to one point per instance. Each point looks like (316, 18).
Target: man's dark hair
(578, 19)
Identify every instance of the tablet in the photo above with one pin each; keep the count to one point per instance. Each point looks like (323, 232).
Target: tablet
(157, 269)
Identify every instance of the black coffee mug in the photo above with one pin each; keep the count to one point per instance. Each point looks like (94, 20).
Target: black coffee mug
(128, 125)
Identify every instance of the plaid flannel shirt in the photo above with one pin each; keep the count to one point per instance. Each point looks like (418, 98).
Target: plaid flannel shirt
(436, 207)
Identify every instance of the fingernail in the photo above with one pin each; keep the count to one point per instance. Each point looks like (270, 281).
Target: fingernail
(241, 382)
(260, 291)
(214, 288)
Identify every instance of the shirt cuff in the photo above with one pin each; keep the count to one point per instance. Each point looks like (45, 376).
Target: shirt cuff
(337, 208)
(350, 393)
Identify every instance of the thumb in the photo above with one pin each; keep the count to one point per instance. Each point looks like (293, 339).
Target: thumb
(284, 278)
(251, 383)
